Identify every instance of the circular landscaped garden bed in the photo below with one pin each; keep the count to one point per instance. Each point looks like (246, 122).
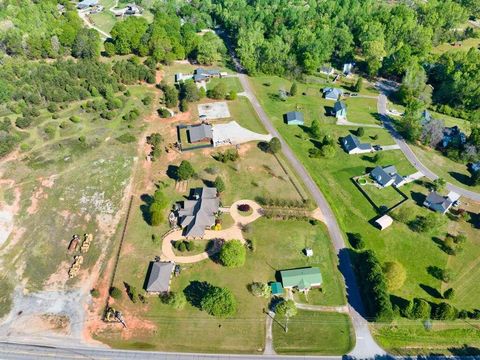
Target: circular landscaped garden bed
(245, 209)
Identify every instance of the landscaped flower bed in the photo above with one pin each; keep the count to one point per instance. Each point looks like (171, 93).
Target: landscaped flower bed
(245, 209)
(362, 181)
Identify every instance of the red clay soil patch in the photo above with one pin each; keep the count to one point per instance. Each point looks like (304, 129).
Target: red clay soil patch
(245, 148)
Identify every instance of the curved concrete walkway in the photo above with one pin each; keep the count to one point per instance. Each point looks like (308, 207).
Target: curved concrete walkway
(232, 233)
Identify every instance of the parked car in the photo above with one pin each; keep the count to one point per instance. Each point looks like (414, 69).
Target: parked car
(377, 147)
(353, 94)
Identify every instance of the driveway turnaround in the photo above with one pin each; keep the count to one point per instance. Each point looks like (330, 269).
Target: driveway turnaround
(409, 154)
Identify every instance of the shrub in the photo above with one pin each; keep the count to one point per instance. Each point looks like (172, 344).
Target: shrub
(219, 184)
(293, 89)
(274, 146)
(444, 311)
(286, 308)
(449, 294)
(183, 105)
(126, 138)
(232, 95)
(164, 113)
(219, 302)
(357, 241)
(147, 100)
(360, 131)
(395, 275)
(189, 245)
(176, 299)
(233, 254)
(23, 122)
(421, 309)
(218, 92)
(95, 293)
(244, 207)
(185, 171)
(260, 289)
(75, 119)
(132, 293)
(115, 293)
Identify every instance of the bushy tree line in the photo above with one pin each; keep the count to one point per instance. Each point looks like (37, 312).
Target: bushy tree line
(373, 286)
(165, 39)
(41, 30)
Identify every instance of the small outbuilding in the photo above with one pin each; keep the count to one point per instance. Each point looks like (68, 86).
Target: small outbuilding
(308, 252)
(276, 288)
(294, 118)
(158, 277)
(384, 222)
(86, 4)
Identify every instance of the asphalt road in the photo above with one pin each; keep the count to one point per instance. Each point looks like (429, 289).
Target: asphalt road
(9, 351)
(365, 344)
(409, 154)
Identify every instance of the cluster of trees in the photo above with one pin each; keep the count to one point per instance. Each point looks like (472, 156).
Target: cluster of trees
(38, 29)
(165, 39)
(226, 156)
(9, 138)
(289, 38)
(156, 209)
(374, 286)
(155, 140)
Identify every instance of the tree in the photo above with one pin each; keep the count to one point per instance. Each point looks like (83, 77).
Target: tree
(444, 311)
(233, 254)
(315, 129)
(176, 299)
(287, 309)
(219, 302)
(439, 184)
(185, 171)
(395, 275)
(219, 184)
(115, 293)
(356, 240)
(189, 91)
(432, 132)
(260, 289)
(183, 105)
(157, 208)
(170, 94)
(86, 44)
(421, 309)
(219, 91)
(274, 146)
(293, 89)
(449, 294)
(232, 95)
(132, 293)
(358, 85)
(360, 131)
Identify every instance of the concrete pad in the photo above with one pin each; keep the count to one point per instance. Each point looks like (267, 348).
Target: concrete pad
(214, 110)
(233, 134)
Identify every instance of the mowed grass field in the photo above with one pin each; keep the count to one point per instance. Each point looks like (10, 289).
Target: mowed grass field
(277, 245)
(415, 251)
(313, 333)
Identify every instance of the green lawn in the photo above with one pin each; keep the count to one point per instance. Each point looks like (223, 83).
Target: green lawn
(411, 338)
(387, 197)
(277, 245)
(232, 83)
(450, 170)
(465, 45)
(362, 110)
(313, 333)
(415, 251)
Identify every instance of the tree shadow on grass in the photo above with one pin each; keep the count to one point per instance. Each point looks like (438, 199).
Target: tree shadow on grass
(475, 220)
(328, 110)
(208, 183)
(431, 291)
(196, 291)
(144, 208)
(172, 172)
(440, 243)
(465, 350)
(464, 179)
(418, 197)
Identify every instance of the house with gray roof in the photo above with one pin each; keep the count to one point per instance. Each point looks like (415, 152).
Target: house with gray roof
(352, 145)
(339, 110)
(199, 133)
(332, 93)
(198, 212)
(439, 203)
(387, 176)
(158, 277)
(86, 4)
(294, 118)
